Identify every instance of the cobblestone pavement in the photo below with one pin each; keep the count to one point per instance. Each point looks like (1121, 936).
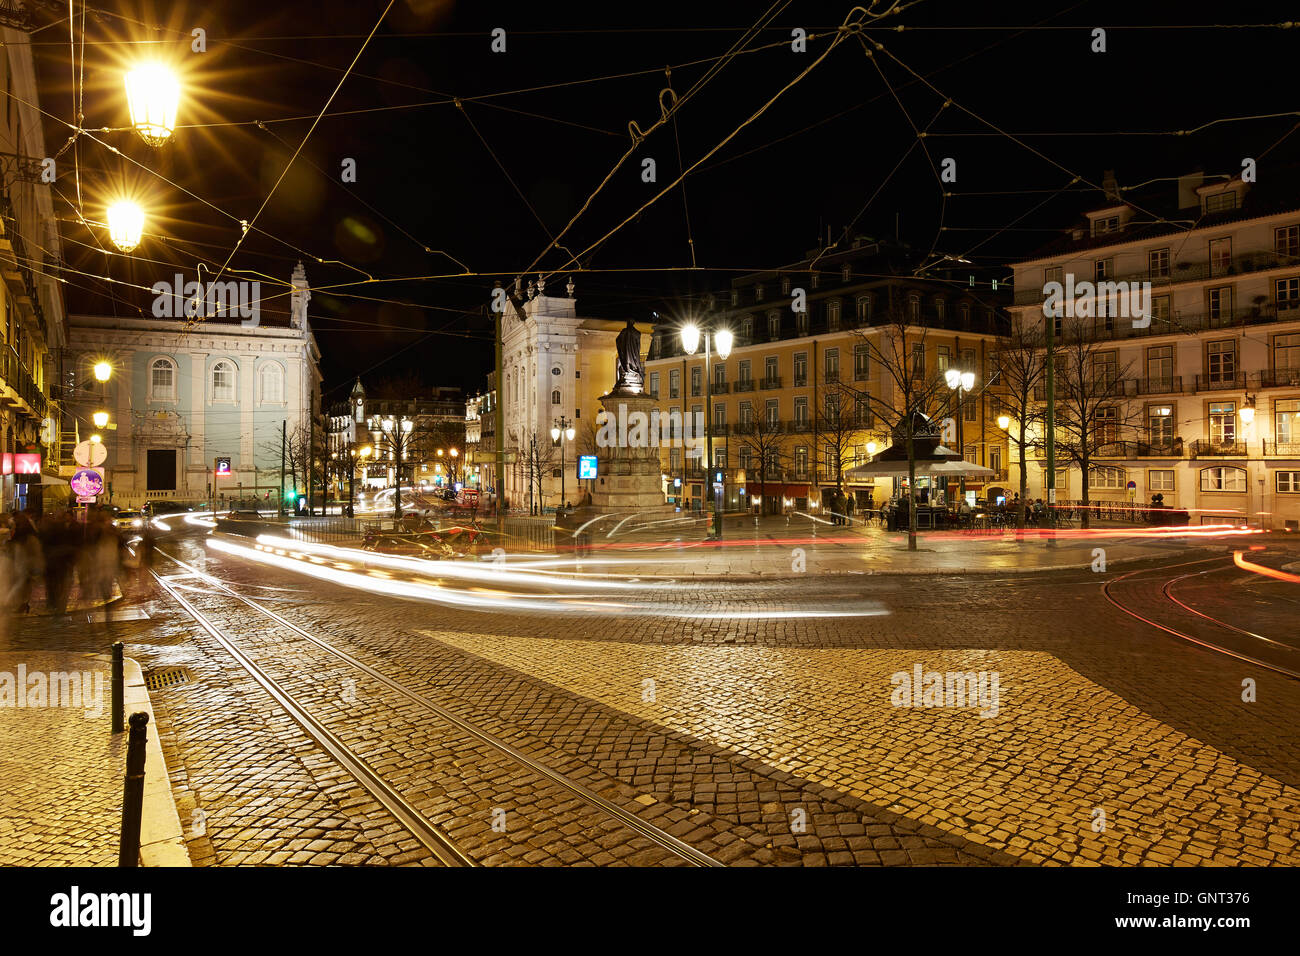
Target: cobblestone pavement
(761, 741)
(61, 803)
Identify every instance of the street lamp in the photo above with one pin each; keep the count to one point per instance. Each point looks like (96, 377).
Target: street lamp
(1247, 412)
(398, 436)
(153, 95)
(103, 371)
(562, 427)
(100, 419)
(961, 383)
(690, 342)
(125, 224)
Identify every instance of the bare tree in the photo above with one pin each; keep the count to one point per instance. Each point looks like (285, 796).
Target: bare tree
(898, 348)
(765, 439)
(841, 422)
(1021, 365)
(1090, 411)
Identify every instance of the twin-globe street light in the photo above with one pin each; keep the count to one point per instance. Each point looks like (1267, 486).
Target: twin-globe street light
(153, 95)
(690, 342)
(398, 435)
(562, 427)
(961, 382)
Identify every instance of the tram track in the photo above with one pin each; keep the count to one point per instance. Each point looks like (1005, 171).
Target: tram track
(404, 810)
(1164, 599)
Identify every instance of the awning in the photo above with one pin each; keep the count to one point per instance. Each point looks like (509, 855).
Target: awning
(924, 469)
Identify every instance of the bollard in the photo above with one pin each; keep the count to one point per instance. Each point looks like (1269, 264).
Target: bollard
(128, 853)
(118, 702)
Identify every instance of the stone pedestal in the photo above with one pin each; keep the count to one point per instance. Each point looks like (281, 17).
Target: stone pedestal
(629, 478)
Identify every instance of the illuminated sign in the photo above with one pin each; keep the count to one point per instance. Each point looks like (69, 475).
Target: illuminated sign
(586, 466)
(6, 463)
(27, 463)
(223, 468)
(87, 483)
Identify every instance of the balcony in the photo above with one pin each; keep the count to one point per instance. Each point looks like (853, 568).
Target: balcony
(1208, 449)
(1140, 449)
(798, 427)
(1282, 449)
(17, 386)
(1278, 378)
(745, 385)
(1213, 383)
(1119, 388)
(719, 388)
(1243, 264)
(831, 378)
(1180, 323)
(770, 383)
(1168, 385)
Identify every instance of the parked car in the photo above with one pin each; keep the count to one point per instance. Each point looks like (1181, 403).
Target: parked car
(128, 520)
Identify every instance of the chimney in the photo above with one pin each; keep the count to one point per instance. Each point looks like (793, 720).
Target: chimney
(1110, 186)
(1187, 186)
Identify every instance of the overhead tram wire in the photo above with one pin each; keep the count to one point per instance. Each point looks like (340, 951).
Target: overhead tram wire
(284, 172)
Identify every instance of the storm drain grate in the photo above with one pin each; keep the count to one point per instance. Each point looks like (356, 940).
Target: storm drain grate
(157, 680)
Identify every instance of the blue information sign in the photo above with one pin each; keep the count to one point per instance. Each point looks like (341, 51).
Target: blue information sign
(586, 466)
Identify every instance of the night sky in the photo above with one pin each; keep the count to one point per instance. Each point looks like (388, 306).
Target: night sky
(435, 176)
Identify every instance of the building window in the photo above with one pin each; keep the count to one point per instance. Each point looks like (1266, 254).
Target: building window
(1160, 367)
(801, 461)
(814, 280)
(800, 369)
(862, 410)
(970, 407)
(785, 285)
(774, 325)
(1288, 292)
(1160, 479)
(1106, 424)
(846, 272)
(1104, 269)
(939, 308)
(1220, 302)
(801, 410)
(914, 307)
(942, 359)
(1221, 202)
(964, 312)
(697, 377)
(674, 384)
(654, 384)
(1107, 224)
(746, 376)
(1160, 425)
(861, 363)
(832, 358)
(1221, 362)
(918, 359)
(555, 396)
(746, 413)
(223, 382)
(735, 297)
(271, 384)
(758, 292)
(1223, 478)
(1108, 479)
(833, 408)
(719, 415)
(720, 375)
(1052, 274)
(773, 413)
(747, 328)
(1220, 256)
(1158, 263)
(1223, 423)
(1286, 241)
(833, 315)
(1286, 421)
(864, 308)
(801, 323)
(1288, 482)
(162, 381)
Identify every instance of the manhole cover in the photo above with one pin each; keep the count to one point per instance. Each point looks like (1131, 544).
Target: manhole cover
(157, 680)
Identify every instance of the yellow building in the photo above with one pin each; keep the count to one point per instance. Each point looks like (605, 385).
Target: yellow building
(804, 394)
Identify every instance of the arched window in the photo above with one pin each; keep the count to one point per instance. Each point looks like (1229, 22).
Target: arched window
(1223, 478)
(270, 384)
(555, 396)
(223, 382)
(162, 380)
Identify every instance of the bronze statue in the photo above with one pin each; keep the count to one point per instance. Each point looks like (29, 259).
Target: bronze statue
(630, 372)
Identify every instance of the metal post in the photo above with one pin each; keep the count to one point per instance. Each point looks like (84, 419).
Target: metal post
(119, 710)
(1049, 323)
(396, 442)
(128, 853)
(499, 426)
(284, 437)
(961, 440)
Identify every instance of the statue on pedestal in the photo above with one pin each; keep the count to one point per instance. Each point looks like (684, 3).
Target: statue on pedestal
(629, 370)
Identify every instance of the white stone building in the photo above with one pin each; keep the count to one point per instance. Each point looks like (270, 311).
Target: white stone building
(182, 398)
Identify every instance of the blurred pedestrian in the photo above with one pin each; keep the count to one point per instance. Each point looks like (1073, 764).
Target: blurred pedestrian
(59, 537)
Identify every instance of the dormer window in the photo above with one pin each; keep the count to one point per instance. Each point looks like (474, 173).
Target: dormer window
(1221, 202)
(1101, 227)
(758, 292)
(735, 297)
(846, 272)
(785, 285)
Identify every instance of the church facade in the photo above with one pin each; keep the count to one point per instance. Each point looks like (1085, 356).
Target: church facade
(183, 397)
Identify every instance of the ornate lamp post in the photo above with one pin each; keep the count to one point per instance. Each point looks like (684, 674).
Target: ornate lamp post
(690, 342)
(961, 383)
(397, 434)
(563, 427)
